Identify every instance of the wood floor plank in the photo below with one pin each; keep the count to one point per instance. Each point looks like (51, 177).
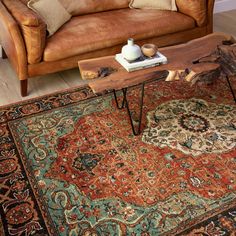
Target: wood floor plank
(72, 77)
(9, 84)
(225, 22)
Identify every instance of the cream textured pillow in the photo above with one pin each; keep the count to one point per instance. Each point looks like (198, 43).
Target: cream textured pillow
(154, 4)
(52, 12)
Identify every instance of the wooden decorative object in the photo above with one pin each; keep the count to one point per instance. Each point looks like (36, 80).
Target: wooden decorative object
(149, 49)
(198, 61)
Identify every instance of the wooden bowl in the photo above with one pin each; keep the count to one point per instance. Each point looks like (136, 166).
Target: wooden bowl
(149, 49)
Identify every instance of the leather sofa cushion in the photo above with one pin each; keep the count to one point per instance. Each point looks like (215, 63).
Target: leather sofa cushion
(91, 32)
(194, 8)
(80, 7)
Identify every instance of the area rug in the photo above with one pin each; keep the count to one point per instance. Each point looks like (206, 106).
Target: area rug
(70, 164)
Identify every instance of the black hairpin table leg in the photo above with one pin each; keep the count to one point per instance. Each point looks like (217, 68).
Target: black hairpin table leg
(231, 89)
(140, 112)
(125, 103)
(124, 91)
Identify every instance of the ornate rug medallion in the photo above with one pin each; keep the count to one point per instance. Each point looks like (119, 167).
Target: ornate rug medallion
(71, 165)
(192, 126)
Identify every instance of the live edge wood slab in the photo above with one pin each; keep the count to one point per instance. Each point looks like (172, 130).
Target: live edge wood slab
(200, 60)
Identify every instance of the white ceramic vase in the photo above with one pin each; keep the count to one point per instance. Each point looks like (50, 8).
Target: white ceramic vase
(131, 51)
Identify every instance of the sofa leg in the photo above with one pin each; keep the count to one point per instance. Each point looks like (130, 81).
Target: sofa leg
(4, 55)
(23, 87)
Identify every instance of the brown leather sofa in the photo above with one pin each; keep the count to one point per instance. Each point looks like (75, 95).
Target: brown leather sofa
(100, 31)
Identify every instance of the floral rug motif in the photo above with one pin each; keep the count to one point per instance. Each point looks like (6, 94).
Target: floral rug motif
(70, 165)
(192, 126)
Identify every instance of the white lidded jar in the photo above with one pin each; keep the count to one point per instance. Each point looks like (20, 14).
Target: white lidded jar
(131, 51)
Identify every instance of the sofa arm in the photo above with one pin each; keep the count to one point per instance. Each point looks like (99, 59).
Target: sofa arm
(200, 10)
(210, 11)
(21, 13)
(32, 27)
(12, 42)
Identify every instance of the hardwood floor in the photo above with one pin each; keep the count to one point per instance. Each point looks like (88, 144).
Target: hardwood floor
(225, 22)
(9, 84)
(38, 86)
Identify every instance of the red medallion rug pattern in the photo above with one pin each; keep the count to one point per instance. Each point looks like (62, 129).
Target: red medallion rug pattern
(70, 165)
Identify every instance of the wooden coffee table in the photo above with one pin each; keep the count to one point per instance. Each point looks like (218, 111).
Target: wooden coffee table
(200, 60)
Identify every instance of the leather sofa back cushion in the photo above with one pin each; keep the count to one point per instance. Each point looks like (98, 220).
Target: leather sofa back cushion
(197, 9)
(81, 7)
